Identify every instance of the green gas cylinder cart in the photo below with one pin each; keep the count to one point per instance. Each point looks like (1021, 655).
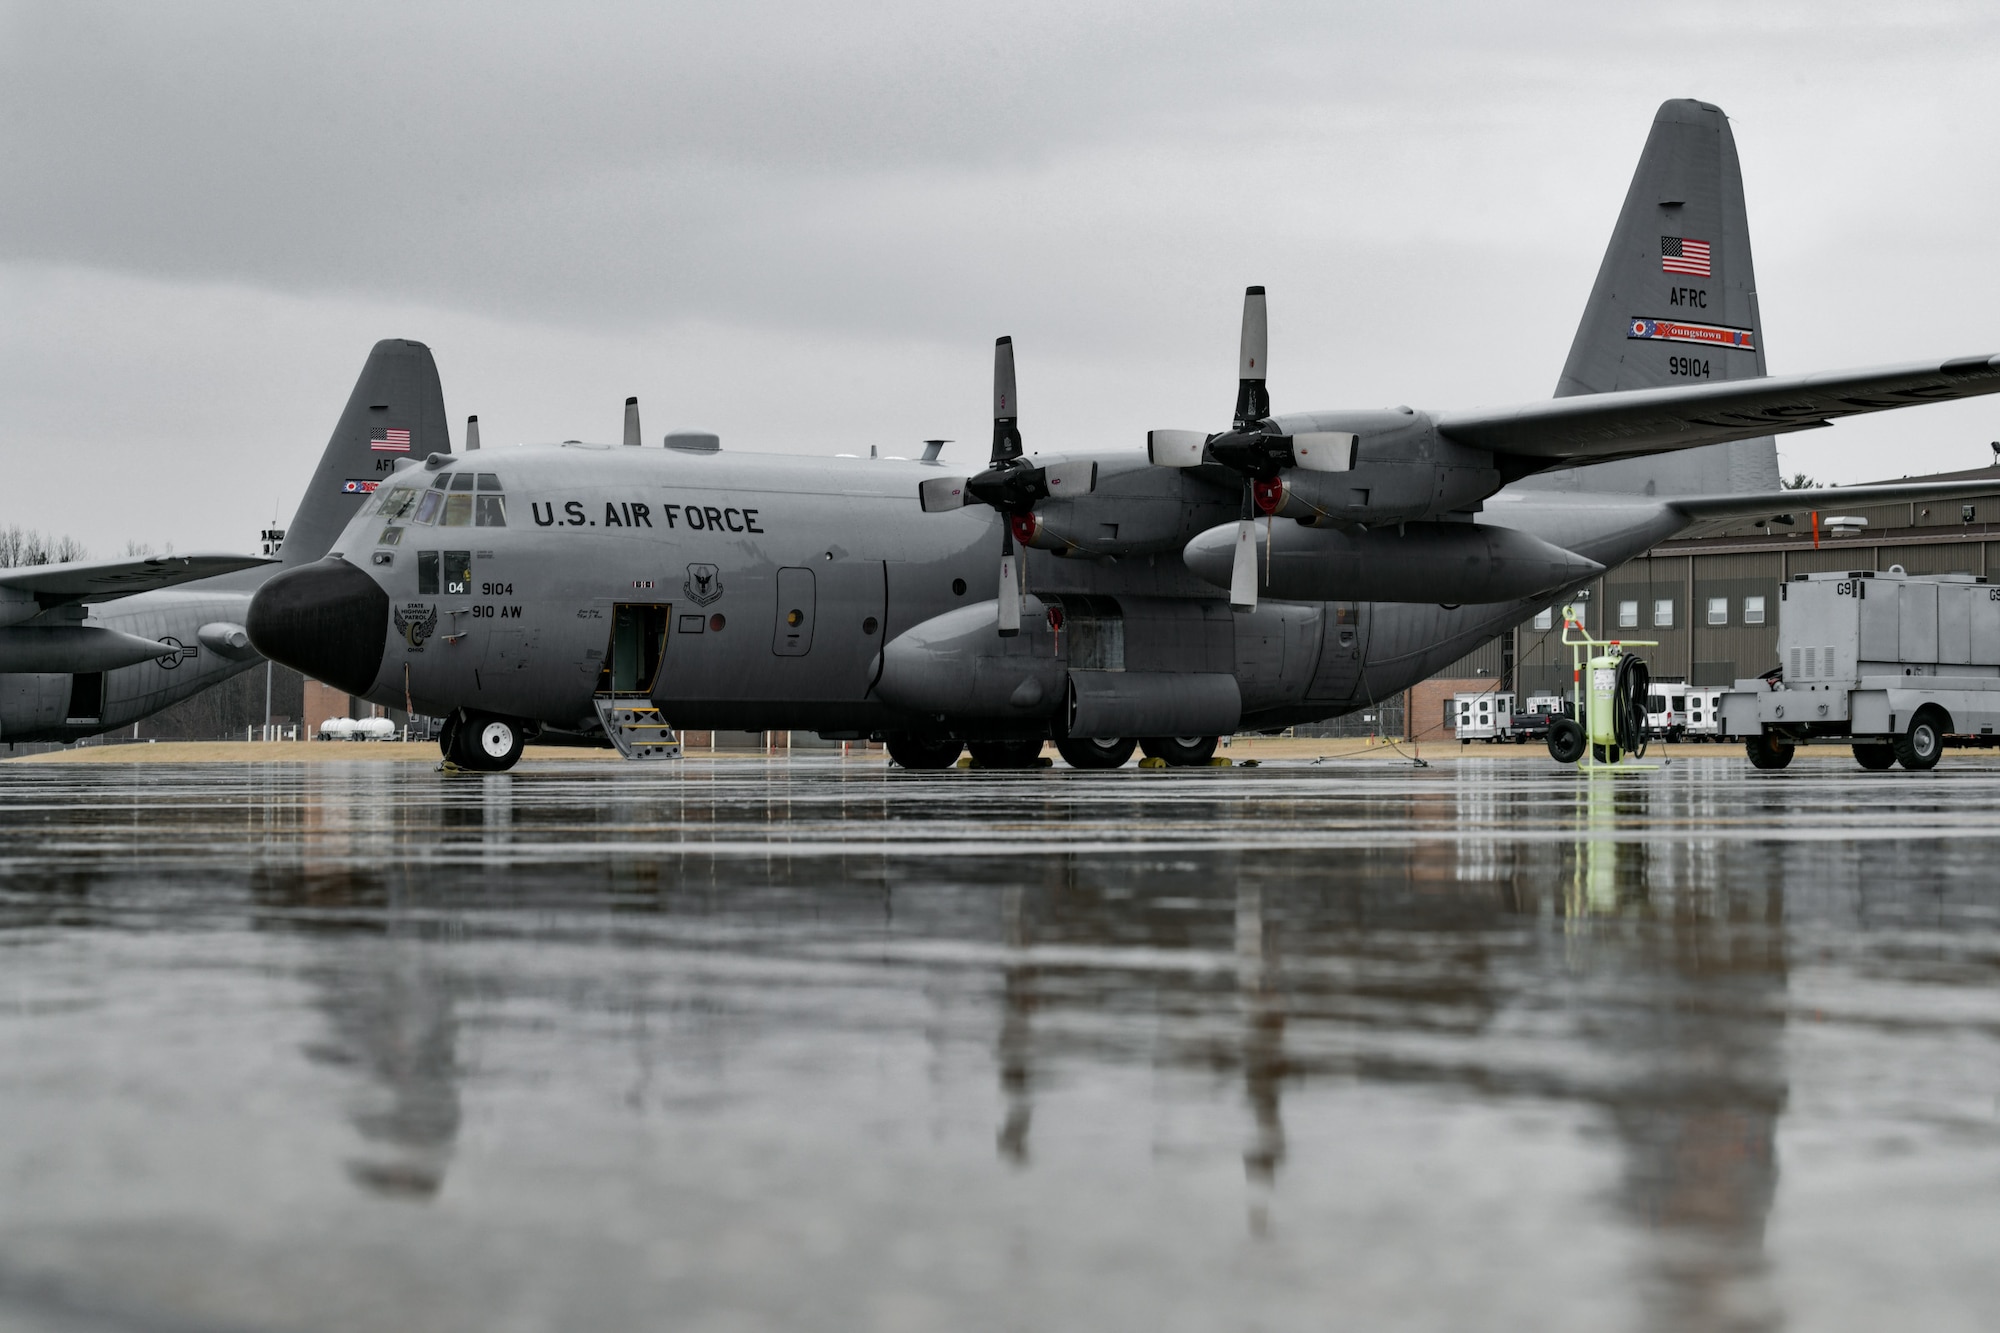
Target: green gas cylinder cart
(1608, 693)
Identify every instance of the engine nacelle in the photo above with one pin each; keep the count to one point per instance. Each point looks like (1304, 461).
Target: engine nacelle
(1404, 470)
(1452, 563)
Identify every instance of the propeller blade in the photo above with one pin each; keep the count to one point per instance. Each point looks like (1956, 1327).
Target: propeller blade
(942, 493)
(1067, 479)
(632, 423)
(1253, 403)
(471, 434)
(1243, 573)
(1006, 407)
(1010, 586)
(1325, 450)
(1175, 448)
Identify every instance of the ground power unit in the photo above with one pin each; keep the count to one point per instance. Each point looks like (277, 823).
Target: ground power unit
(1899, 666)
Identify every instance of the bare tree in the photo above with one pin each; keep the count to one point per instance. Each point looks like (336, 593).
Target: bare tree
(1800, 482)
(26, 546)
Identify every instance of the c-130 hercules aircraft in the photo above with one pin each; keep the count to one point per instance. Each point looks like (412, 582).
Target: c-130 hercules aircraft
(547, 588)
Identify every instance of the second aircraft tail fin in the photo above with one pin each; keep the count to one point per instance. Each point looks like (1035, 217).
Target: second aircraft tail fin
(396, 411)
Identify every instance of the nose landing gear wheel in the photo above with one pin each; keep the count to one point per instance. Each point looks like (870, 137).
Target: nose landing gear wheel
(1096, 754)
(1181, 751)
(482, 742)
(1005, 754)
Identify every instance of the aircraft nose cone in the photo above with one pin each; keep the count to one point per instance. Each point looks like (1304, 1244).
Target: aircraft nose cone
(327, 619)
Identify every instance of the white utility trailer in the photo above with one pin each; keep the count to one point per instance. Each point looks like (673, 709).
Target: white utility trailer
(1482, 715)
(1899, 666)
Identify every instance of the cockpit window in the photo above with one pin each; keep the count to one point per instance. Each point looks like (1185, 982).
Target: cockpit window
(398, 503)
(459, 500)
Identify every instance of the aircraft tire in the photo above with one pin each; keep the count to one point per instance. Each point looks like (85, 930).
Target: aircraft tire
(1181, 751)
(1005, 754)
(1096, 754)
(1875, 758)
(487, 743)
(1922, 745)
(1767, 753)
(1566, 740)
(923, 753)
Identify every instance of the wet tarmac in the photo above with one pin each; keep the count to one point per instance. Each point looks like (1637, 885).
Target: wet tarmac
(756, 1045)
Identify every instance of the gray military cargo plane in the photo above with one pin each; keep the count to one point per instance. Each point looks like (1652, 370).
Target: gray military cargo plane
(573, 588)
(90, 646)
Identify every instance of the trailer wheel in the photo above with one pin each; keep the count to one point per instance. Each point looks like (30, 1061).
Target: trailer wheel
(1922, 745)
(1875, 758)
(1767, 752)
(1566, 741)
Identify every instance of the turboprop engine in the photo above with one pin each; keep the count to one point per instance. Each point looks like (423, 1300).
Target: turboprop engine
(1452, 563)
(1356, 468)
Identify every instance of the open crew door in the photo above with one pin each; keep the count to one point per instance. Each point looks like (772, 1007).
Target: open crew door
(638, 645)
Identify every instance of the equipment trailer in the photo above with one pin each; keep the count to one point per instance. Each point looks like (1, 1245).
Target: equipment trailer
(1897, 665)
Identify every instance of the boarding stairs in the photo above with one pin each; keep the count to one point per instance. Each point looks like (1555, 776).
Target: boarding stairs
(635, 726)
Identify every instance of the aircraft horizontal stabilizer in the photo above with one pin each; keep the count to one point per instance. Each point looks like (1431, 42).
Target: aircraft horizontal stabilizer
(102, 580)
(1594, 428)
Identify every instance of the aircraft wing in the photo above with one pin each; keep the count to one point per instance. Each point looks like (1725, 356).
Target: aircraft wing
(1598, 427)
(101, 580)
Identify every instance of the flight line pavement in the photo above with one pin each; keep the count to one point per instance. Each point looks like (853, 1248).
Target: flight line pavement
(1240, 748)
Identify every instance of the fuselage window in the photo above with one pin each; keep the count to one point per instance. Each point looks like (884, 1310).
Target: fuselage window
(457, 573)
(427, 573)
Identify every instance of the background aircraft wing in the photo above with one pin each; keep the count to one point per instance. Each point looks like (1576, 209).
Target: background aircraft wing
(1597, 427)
(1794, 508)
(101, 580)
(1830, 499)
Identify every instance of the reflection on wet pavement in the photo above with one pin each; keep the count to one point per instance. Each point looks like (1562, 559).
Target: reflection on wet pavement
(817, 1045)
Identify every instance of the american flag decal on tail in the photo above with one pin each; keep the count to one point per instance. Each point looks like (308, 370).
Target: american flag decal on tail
(1678, 254)
(389, 440)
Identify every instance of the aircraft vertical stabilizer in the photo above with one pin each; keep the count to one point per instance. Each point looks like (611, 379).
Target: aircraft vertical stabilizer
(396, 411)
(1675, 303)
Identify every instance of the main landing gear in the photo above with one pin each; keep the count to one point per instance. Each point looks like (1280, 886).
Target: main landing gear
(482, 742)
(1181, 751)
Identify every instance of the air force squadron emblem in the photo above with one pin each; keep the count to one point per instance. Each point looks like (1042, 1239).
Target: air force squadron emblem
(704, 584)
(416, 622)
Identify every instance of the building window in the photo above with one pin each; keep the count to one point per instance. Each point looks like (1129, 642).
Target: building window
(1966, 513)
(1545, 618)
(1628, 615)
(1663, 613)
(1718, 610)
(1753, 610)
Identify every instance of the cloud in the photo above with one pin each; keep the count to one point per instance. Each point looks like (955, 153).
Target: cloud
(803, 225)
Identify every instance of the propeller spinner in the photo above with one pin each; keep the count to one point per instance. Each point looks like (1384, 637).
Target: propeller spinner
(1255, 447)
(1011, 485)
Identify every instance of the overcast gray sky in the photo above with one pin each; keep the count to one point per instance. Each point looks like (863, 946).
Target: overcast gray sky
(801, 225)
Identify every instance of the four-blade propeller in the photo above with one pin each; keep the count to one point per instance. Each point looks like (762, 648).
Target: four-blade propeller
(1255, 447)
(1010, 484)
